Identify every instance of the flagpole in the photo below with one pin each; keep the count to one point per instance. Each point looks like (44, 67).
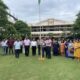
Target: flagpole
(39, 1)
(40, 19)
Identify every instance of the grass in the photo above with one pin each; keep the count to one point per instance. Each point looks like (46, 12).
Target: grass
(30, 68)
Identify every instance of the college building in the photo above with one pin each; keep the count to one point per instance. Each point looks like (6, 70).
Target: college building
(56, 27)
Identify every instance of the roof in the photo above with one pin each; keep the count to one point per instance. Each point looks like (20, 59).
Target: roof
(51, 22)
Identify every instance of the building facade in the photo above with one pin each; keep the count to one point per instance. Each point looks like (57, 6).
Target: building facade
(58, 28)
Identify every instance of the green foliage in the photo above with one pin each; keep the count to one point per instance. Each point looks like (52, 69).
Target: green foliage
(76, 28)
(3, 14)
(50, 34)
(22, 28)
(10, 29)
(3, 20)
(3, 5)
(14, 30)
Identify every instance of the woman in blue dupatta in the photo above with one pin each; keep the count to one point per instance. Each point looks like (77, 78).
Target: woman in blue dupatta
(56, 48)
(66, 48)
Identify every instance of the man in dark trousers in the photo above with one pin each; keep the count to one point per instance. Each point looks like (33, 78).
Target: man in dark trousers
(34, 46)
(39, 46)
(48, 43)
(26, 43)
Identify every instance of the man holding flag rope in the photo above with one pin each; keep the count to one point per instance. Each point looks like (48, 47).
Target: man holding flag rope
(39, 2)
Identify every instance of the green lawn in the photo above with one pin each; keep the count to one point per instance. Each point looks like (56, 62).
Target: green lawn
(30, 68)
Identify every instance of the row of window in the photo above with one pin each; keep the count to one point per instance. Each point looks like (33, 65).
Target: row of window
(49, 28)
(47, 34)
(52, 26)
(37, 30)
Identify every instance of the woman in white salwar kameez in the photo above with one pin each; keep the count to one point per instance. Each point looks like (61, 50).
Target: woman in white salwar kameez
(70, 50)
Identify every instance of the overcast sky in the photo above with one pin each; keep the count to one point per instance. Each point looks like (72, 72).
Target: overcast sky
(27, 10)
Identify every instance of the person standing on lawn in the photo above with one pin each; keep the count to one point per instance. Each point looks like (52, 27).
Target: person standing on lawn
(55, 47)
(70, 49)
(48, 43)
(39, 46)
(66, 48)
(34, 46)
(62, 48)
(77, 49)
(4, 46)
(26, 43)
(17, 47)
(10, 44)
(43, 47)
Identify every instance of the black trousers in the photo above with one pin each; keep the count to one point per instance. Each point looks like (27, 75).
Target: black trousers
(39, 50)
(48, 52)
(17, 52)
(43, 51)
(10, 50)
(33, 50)
(55, 52)
(27, 50)
(6, 50)
(21, 49)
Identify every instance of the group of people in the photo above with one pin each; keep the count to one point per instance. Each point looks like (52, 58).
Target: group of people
(45, 47)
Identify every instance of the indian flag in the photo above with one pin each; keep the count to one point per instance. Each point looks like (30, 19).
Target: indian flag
(39, 1)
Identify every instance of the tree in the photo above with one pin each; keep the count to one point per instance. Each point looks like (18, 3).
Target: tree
(50, 34)
(6, 27)
(3, 14)
(3, 18)
(22, 28)
(11, 29)
(76, 29)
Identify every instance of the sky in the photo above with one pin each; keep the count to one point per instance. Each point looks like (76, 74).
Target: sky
(28, 10)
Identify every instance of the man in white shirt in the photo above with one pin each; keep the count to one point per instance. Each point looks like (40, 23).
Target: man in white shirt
(26, 43)
(17, 46)
(33, 45)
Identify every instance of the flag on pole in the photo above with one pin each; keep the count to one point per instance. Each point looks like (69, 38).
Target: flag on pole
(39, 1)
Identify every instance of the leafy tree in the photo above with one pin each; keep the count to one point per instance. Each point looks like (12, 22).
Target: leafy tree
(3, 19)
(76, 29)
(50, 34)
(22, 28)
(6, 28)
(3, 14)
(11, 29)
